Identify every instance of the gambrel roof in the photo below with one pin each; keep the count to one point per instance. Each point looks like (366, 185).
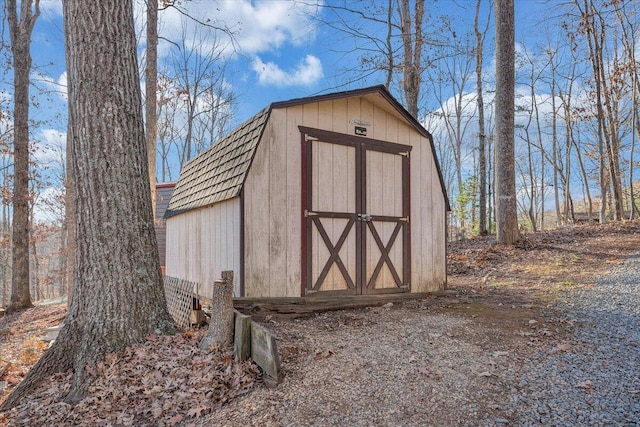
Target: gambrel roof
(219, 173)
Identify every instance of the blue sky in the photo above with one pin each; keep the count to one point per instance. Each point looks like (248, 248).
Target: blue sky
(281, 50)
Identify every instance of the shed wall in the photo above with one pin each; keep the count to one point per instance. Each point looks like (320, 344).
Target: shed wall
(163, 195)
(273, 195)
(205, 242)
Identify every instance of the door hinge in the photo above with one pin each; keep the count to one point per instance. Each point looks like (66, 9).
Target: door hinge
(404, 153)
(307, 213)
(310, 138)
(405, 219)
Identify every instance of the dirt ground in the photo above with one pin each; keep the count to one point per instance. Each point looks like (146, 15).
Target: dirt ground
(498, 299)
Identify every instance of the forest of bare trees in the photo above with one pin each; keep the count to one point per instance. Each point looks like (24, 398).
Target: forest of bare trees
(575, 113)
(575, 123)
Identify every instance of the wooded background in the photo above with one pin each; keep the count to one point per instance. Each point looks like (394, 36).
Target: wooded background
(576, 113)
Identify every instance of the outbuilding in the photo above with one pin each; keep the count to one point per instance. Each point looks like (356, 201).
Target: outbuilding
(337, 194)
(163, 195)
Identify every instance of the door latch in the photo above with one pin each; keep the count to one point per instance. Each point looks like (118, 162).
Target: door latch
(364, 217)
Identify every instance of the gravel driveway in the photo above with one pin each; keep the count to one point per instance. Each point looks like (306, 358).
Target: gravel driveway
(596, 381)
(461, 362)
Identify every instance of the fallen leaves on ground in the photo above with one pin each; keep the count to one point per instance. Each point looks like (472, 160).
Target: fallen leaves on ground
(161, 382)
(21, 347)
(564, 257)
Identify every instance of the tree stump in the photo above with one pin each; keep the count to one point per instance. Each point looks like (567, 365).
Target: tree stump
(222, 317)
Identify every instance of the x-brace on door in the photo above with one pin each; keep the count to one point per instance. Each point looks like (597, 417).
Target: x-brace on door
(355, 214)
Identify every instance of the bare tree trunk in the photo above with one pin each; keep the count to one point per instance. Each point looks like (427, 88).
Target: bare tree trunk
(20, 30)
(118, 298)
(635, 211)
(585, 180)
(531, 176)
(554, 140)
(567, 108)
(389, 46)
(543, 153)
(412, 43)
(506, 207)
(482, 159)
(222, 322)
(491, 195)
(542, 189)
(35, 272)
(594, 41)
(568, 207)
(602, 212)
(5, 256)
(532, 185)
(151, 76)
(629, 42)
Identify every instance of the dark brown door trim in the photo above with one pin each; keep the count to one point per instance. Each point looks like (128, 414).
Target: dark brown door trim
(311, 219)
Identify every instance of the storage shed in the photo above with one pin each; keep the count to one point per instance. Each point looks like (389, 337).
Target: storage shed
(163, 195)
(337, 194)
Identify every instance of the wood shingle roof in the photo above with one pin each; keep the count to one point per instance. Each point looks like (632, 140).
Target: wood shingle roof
(219, 172)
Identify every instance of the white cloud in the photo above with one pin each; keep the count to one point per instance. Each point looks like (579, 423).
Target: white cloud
(51, 8)
(50, 148)
(307, 72)
(257, 26)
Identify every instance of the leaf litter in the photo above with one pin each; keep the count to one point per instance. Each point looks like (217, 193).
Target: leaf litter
(161, 382)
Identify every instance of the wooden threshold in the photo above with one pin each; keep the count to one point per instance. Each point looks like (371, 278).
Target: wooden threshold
(293, 308)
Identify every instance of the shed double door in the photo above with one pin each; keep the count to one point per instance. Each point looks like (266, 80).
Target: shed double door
(355, 193)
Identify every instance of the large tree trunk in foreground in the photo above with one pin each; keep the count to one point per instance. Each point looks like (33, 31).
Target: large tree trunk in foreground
(151, 84)
(506, 208)
(69, 231)
(20, 30)
(118, 295)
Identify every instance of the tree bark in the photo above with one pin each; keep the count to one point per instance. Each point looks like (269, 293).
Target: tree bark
(20, 30)
(222, 319)
(118, 297)
(506, 207)
(69, 221)
(151, 76)
(629, 43)
(35, 271)
(482, 159)
(554, 148)
(412, 42)
(594, 42)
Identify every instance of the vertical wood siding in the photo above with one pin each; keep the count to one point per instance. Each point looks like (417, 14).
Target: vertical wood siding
(333, 190)
(273, 195)
(384, 197)
(163, 194)
(204, 242)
